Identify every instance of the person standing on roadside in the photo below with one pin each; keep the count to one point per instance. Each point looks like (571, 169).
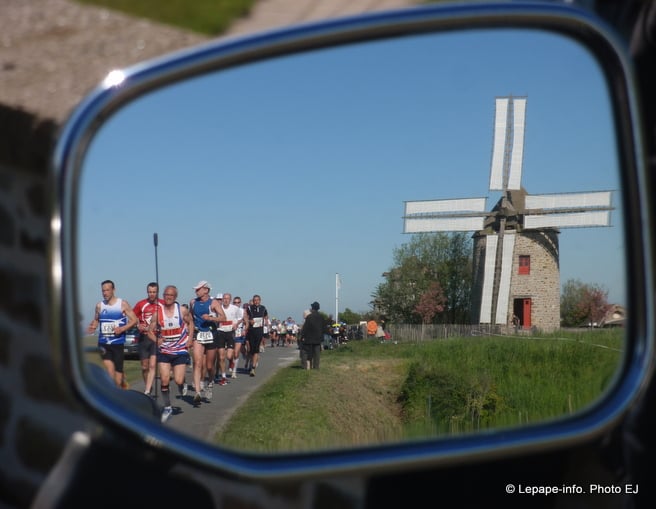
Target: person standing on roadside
(169, 330)
(256, 319)
(114, 316)
(145, 309)
(206, 313)
(301, 349)
(312, 336)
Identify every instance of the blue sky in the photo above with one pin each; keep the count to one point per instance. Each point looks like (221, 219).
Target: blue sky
(272, 178)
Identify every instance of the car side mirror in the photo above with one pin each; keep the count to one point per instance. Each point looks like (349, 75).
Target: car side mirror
(491, 150)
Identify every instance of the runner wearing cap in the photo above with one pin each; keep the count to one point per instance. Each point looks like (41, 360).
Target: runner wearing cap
(206, 313)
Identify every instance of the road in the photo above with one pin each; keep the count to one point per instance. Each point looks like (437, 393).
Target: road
(204, 421)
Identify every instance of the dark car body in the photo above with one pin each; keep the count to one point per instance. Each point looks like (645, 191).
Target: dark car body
(131, 348)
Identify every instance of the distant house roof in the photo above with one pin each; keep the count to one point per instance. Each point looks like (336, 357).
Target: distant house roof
(615, 317)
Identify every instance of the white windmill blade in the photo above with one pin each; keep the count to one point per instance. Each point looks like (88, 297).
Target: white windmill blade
(569, 200)
(443, 206)
(499, 143)
(508, 152)
(488, 278)
(568, 220)
(503, 294)
(466, 214)
(421, 224)
(517, 152)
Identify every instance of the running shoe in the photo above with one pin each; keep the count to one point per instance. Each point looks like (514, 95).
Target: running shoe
(166, 413)
(223, 381)
(208, 390)
(185, 390)
(197, 399)
(234, 374)
(252, 372)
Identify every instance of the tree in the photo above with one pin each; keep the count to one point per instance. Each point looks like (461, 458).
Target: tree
(428, 258)
(350, 317)
(582, 303)
(431, 303)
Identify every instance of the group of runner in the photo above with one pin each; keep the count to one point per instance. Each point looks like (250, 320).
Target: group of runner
(209, 333)
(283, 332)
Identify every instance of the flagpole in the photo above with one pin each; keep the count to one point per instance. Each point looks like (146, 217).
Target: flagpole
(155, 242)
(336, 297)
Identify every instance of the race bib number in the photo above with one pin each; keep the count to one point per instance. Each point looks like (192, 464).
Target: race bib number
(107, 328)
(172, 334)
(225, 326)
(258, 322)
(205, 337)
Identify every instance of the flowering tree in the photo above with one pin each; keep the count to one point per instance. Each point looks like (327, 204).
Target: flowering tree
(582, 303)
(431, 302)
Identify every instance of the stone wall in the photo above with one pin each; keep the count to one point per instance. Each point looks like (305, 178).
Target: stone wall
(542, 284)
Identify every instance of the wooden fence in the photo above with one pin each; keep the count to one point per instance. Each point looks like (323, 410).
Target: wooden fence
(417, 333)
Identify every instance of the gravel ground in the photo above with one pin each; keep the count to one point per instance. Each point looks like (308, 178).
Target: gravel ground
(53, 52)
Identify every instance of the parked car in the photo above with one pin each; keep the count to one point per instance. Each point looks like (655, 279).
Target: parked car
(602, 456)
(131, 348)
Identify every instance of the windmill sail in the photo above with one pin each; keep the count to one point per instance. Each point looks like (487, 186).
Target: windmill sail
(456, 215)
(508, 144)
(488, 279)
(503, 294)
(568, 210)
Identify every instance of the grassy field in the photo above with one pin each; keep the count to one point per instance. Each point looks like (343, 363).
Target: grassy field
(210, 17)
(367, 392)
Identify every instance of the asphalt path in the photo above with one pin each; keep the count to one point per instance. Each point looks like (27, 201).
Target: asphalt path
(206, 419)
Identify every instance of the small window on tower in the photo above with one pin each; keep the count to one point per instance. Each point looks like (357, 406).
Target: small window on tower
(524, 264)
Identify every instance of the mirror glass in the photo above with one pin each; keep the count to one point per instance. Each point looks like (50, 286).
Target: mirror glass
(461, 190)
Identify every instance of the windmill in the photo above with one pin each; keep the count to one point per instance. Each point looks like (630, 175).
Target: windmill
(519, 222)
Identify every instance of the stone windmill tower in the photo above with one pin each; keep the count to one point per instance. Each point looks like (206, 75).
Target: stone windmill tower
(516, 253)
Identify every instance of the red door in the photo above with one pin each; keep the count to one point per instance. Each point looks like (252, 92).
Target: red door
(526, 313)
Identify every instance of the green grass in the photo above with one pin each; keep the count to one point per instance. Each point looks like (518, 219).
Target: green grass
(210, 17)
(368, 393)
